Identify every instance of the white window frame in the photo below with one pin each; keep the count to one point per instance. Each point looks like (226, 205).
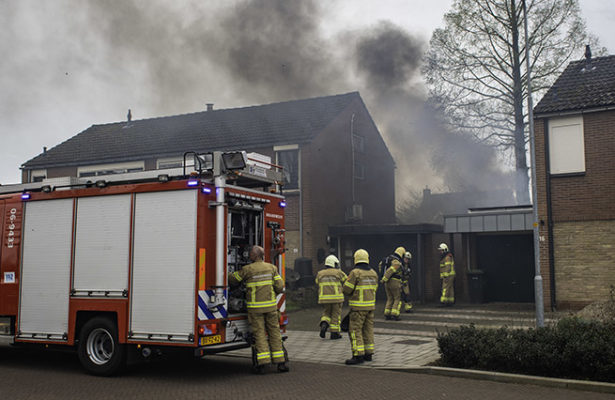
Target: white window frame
(566, 145)
(41, 174)
(165, 163)
(289, 147)
(121, 168)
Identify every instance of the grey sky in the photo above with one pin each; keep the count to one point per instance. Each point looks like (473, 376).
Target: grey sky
(68, 64)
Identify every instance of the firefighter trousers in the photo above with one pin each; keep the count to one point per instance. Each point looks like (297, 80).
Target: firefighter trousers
(448, 290)
(266, 330)
(332, 314)
(361, 332)
(393, 291)
(405, 297)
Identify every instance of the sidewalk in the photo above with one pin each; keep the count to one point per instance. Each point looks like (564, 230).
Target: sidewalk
(410, 345)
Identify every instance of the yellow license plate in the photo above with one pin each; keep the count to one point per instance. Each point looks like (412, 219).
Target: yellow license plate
(207, 340)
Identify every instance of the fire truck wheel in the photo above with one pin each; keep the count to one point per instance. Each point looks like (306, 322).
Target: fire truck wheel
(98, 349)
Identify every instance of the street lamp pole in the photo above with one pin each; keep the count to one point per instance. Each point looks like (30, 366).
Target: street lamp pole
(538, 296)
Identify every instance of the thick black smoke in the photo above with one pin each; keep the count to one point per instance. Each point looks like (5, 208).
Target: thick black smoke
(174, 57)
(275, 48)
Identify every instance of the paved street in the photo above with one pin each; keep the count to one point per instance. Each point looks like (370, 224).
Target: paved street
(317, 369)
(50, 376)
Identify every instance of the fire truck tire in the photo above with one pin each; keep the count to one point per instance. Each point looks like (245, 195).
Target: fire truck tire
(99, 350)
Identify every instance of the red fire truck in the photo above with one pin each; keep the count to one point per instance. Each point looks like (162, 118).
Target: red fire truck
(137, 263)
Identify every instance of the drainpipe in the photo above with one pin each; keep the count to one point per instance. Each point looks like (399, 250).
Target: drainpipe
(299, 184)
(419, 266)
(354, 200)
(550, 219)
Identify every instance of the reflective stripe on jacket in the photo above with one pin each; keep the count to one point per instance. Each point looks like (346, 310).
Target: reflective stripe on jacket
(330, 282)
(263, 283)
(361, 286)
(447, 266)
(393, 272)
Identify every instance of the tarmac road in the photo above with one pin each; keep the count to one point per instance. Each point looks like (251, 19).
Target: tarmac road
(52, 375)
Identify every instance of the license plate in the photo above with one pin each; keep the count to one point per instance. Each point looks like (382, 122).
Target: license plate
(207, 340)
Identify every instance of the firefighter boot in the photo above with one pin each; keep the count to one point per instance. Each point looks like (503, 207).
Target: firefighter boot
(258, 370)
(396, 318)
(323, 328)
(355, 360)
(335, 335)
(367, 357)
(282, 367)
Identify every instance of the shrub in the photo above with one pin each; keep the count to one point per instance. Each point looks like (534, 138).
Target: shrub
(572, 348)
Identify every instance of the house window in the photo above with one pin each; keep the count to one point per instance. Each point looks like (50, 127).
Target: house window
(38, 175)
(164, 163)
(359, 170)
(110, 169)
(358, 143)
(566, 145)
(288, 158)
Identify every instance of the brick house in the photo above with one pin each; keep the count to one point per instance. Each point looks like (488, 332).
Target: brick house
(575, 168)
(334, 157)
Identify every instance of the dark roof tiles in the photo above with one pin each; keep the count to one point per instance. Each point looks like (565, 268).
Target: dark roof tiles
(291, 122)
(581, 86)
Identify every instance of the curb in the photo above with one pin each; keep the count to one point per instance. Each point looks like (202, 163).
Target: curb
(590, 386)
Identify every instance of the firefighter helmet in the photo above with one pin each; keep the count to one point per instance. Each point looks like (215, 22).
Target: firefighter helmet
(443, 247)
(400, 251)
(361, 256)
(408, 255)
(332, 261)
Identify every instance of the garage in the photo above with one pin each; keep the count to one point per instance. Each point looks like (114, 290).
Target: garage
(499, 252)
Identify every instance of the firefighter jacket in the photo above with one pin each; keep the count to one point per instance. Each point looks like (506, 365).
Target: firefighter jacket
(263, 283)
(330, 281)
(393, 272)
(447, 266)
(361, 287)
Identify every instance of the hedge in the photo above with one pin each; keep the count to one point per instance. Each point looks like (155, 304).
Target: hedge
(573, 348)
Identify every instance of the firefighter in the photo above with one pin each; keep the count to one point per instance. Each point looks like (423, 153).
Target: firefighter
(392, 280)
(330, 281)
(361, 287)
(405, 282)
(263, 283)
(447, 275)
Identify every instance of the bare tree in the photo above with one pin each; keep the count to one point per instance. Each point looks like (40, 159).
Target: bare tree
(475, 67)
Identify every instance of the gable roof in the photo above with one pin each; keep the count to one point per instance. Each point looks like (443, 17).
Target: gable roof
(584, 85)
(290, 122)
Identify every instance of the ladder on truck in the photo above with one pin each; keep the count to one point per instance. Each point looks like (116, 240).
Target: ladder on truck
(251, 170)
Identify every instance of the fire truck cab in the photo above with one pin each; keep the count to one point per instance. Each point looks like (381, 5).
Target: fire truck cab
(137, 263)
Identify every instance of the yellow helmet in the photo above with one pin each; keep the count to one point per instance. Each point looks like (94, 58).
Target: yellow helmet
(400, 251)
(361, 256)
(443, 247)
(332, 261)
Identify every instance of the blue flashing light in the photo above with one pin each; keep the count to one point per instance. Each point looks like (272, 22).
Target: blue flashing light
(193, 182)
(206, 190)
(25, 196)
(282, 204)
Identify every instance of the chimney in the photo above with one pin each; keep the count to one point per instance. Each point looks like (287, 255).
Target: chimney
(210, 106)
(426, 193)
(588, 54)
(44, 149)
(129, 116)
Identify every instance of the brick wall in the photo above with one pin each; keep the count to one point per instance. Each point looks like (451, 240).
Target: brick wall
(327, 179)
(584, 270)
(576, 200)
